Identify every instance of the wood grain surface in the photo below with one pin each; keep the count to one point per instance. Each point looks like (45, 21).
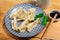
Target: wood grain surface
(53, 31)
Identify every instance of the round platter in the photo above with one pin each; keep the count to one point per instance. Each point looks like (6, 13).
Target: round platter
(35, 30)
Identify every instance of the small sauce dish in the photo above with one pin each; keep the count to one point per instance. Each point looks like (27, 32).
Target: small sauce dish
(52, 14)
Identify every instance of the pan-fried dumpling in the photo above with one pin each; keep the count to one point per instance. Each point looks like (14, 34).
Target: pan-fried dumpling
(17, 13)
(31, 17)
(14, 24)
(24, 15)
(22, 27)
(32, 13)
(32, 10)
(32, 25)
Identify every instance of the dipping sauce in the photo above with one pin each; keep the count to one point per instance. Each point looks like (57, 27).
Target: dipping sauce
(52, 14)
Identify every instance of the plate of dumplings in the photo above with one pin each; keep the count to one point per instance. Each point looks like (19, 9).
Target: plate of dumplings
(20, 22)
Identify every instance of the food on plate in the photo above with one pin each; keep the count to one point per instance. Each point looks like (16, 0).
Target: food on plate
(28, 19)
(39, 16)
(19, 14)
(32, 15)
(32, 25)
(22, 14)
(14, 24)
(23, 25)
(45, 20)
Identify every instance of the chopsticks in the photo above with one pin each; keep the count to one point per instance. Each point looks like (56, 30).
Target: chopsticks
(47, 25)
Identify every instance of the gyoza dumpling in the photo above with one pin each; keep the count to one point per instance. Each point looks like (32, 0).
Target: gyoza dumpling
(32, 10)
(14, 24)
(22, 27)
(32, 25)
(32, 13)
(22, 15)
(17, 13)
(31, 17)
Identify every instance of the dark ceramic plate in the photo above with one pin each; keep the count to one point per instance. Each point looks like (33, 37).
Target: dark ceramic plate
(35, 30)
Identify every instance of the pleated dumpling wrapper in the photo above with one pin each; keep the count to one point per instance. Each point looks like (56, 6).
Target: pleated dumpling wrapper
(32, 14)
(22, 27)
(19, 14)
(14, 24)
(32, 25)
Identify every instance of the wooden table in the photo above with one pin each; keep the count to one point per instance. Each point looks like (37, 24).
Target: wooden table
(52, 32)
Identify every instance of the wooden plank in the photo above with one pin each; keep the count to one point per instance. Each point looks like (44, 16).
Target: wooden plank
(53, 31)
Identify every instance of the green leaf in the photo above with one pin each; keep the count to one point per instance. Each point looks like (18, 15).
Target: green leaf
(39, 15)
(36, 17)
(45, 20)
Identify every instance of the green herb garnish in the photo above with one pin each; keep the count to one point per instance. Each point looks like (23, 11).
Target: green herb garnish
(38, 16)
(45, 19)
